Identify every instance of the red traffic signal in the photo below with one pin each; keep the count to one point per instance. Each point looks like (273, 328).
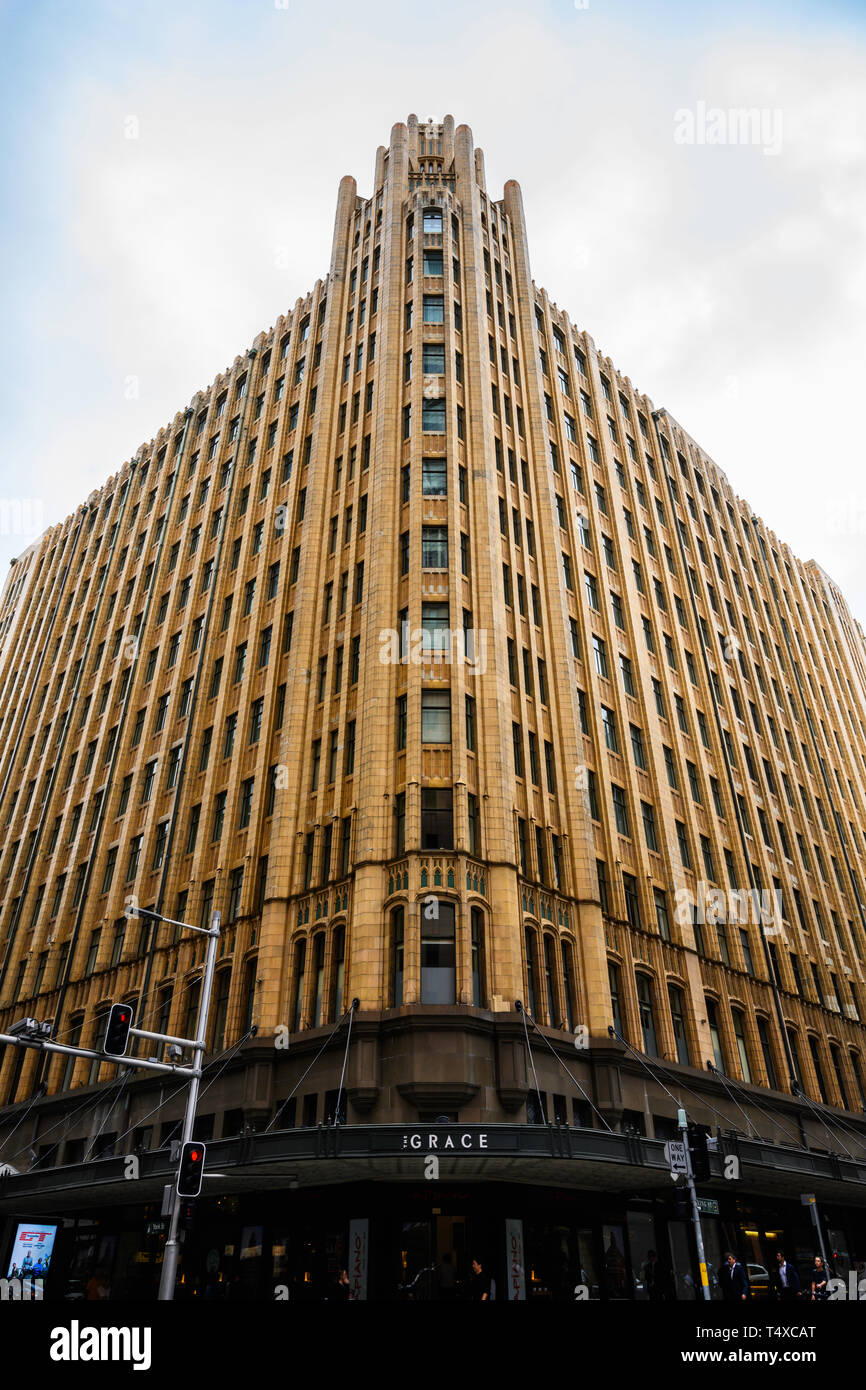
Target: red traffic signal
(117, 1030)
(190, 1169)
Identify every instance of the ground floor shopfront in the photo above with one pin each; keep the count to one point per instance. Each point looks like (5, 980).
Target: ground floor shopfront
(416, 1241)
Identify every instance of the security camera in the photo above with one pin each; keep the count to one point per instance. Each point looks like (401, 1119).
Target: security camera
(24, 1028)
(175, 1053)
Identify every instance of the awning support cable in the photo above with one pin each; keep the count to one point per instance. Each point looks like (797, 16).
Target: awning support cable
(337, 1026)
(571, 1077)
(520, 1009)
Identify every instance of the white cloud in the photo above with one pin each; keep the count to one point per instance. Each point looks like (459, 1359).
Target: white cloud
(728, 285)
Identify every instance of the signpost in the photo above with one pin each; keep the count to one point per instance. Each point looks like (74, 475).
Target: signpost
(675, 1153)
(683, 1126)
(708, 1205)
(29, 1032)
(808, 1199)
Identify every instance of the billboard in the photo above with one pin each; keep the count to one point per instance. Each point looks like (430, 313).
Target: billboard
(32, 1249)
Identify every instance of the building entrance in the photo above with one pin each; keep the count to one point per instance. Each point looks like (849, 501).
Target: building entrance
(434, 1259)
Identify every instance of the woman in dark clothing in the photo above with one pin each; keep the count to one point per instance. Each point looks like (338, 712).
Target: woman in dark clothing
(819, 1280)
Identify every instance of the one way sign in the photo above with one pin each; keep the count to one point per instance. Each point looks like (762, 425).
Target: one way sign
(675, 1153)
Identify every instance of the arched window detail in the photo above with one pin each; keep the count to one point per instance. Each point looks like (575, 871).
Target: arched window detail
(678, 1015)
(549, 978)
(715, 1035)
(740, 1036)
(319, 977)
(249, 994)
(339, 966)
(836, 1057)
(647, 1015)
(858, 1076)
(531, 996)
(222, 985)
(300, 971)
(73, 1039)
(816, 1063)
(433, 221)
(613, 978)
(568, 983)
(767, 1054)
(792, 1043)
(398, 917)
(438, 956)
(477, 954)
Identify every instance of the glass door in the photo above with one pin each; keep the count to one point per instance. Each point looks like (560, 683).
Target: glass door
(417, 1260)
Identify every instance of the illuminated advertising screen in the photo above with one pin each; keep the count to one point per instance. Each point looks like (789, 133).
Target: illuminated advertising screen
(32, 1249)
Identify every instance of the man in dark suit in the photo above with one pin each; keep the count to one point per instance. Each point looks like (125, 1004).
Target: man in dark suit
(740, 1287)
(786, 1280)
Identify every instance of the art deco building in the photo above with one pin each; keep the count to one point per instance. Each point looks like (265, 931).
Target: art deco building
(454, 674)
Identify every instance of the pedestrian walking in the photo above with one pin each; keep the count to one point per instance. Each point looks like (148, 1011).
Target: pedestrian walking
(819, 1280)
(785, 1280)
(481, 1283)
(741, 1289)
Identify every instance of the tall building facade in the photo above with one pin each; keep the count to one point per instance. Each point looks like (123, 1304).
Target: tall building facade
(455, 675)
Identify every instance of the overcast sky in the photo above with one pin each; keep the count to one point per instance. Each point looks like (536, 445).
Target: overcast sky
(169, 175)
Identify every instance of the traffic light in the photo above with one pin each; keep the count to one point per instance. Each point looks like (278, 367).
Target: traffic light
(187, 1216)
(699, 1152)
(190, 1170)
(117, 1030)
(682, 1204)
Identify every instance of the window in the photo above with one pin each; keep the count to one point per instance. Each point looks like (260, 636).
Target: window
(236, 883)
(632, 903)
(627, 674)
(637, 746)
(240, 662)
(713, 1024)
(647, 1014)
(432, 220)
(682, 841)
(435, 716)
(437, 830)
(134, 857)
(600, 654)
(246, 802)
(438, 956)
(434, 477)
(675, 997)
(608, 719)
(147, 780)
(218, 815)
(349, 750)
(742, 1051)
(620, 809)
(231, 725)
(649, 825)
(434, 308)
(159, 844)
(433, 416)
(434, 547)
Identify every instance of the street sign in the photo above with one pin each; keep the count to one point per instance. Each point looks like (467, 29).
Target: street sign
(708, 1205)
(675, 1153)
(807, 1199)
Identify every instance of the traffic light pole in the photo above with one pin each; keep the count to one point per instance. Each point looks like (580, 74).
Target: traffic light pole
(168, 1275)
(696, 1215)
